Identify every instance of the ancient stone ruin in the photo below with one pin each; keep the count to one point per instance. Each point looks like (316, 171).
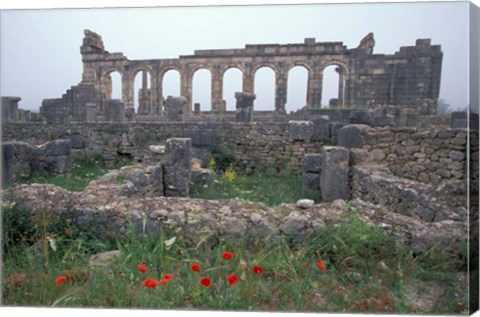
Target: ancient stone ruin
(410, 78)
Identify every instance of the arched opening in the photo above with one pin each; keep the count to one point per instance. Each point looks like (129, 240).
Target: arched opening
(171, 83)
(297, 88)
(202, 89)
(333, 90)
(113, 85)
(142, 92)
(264, 88)
(232, 83)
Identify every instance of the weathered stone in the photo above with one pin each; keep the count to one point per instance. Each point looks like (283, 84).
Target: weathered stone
(244, 107)
(294, 224)
(334, 129)
(360, 117)
(104, 258)
(58, 148)
(358, 156)
(305, 203)
(300, 130)
(312, 163)
(351, 136)
(456, 155)
(114, 110)
(334, 179)
(383, 121)
(176, 108)
(177, 166)
(202, 177)
(10, 111)
(58, 164)
(321, 128)
(378, 155)
(7, 164)
(311, 182)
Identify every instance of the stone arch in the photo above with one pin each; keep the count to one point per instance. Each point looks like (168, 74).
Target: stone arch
(297, 87)
(143, 97)
(341, 69)
(106, 83)
(202, 88)
(229, 82)
(267, 98)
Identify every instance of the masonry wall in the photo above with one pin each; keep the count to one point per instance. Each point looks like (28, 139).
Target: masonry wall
(428, 156)
(250, 148)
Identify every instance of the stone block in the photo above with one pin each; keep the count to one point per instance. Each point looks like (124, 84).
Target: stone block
(383, 121)
(334, 128)
(91, 112)
(58, 164)
(61, 147)
(459, 124)
(310, 182)
(321, 128)
(10, 112)
(176, 108)
(78, 142)
(114, 110)
(7, 164)
(334, 179)
(360, 117)
(201, 177)
(244, 107)
(359, 156)
(300, 131)
(352, 136)
(312, 163)
(177, 166)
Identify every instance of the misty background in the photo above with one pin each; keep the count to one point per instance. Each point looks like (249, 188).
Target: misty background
(40, 49)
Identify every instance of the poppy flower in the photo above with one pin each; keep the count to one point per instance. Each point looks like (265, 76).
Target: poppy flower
(321, 266)
(168, 277)
(164, 281)
(195, 267)
(150, 283)
(142, 268)
(206, 281)
(60, 280)
(232, 279)
(227, 255)
(257, 269)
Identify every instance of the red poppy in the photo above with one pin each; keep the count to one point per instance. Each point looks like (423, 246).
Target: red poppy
(168, 276)
(206, 281)
(321, 266)
(60, 280)
(164, 281)
(195, 267)
(227, 255)
(257, 269)
(232, 279)
(150, 283)
(142, 268)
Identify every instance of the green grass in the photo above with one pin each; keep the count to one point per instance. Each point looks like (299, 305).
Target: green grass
(79, 176)
(291, 281)
(270, 190)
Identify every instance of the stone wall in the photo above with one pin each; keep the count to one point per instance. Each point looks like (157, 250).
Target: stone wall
(250, 148)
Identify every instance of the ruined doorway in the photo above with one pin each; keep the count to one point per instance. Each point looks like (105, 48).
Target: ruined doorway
(232, 83)
(202, 89)
(333, 89)
(296, 88)
(142, 92)
(264, 88)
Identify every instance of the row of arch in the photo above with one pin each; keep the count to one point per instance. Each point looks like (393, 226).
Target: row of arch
(232, 80)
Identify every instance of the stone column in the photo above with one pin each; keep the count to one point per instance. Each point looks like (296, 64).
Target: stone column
(335, 170)
(177, 166)
(217, 89)
(159, 81)
(186, 88)
(341, 87)
(127, 90)
(314, 90)
(248, 80)
(244, 107)
(281, 91)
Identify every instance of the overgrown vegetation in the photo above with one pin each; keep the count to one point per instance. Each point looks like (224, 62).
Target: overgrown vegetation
(348, 267)
(80, 175)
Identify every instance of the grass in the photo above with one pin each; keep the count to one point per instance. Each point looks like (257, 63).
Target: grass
(79, 176)
(365, 271)
(270, 190)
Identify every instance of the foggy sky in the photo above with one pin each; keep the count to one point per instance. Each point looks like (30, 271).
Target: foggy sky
(40, 49)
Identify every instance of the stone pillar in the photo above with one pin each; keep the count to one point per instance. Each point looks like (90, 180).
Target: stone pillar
(143, 99)
(127, 90)
(311, 170)
(281, 92)
(196, 108)
(177, 166)
(176, 108)
(160, 99)
(91, 112)
(341, 87)
(10, 111)
(244, 107)
(217, 89)
(314, 90)
(335, 170)
(7, 164)
(248, 81)
(186, 88)
(114, 111)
